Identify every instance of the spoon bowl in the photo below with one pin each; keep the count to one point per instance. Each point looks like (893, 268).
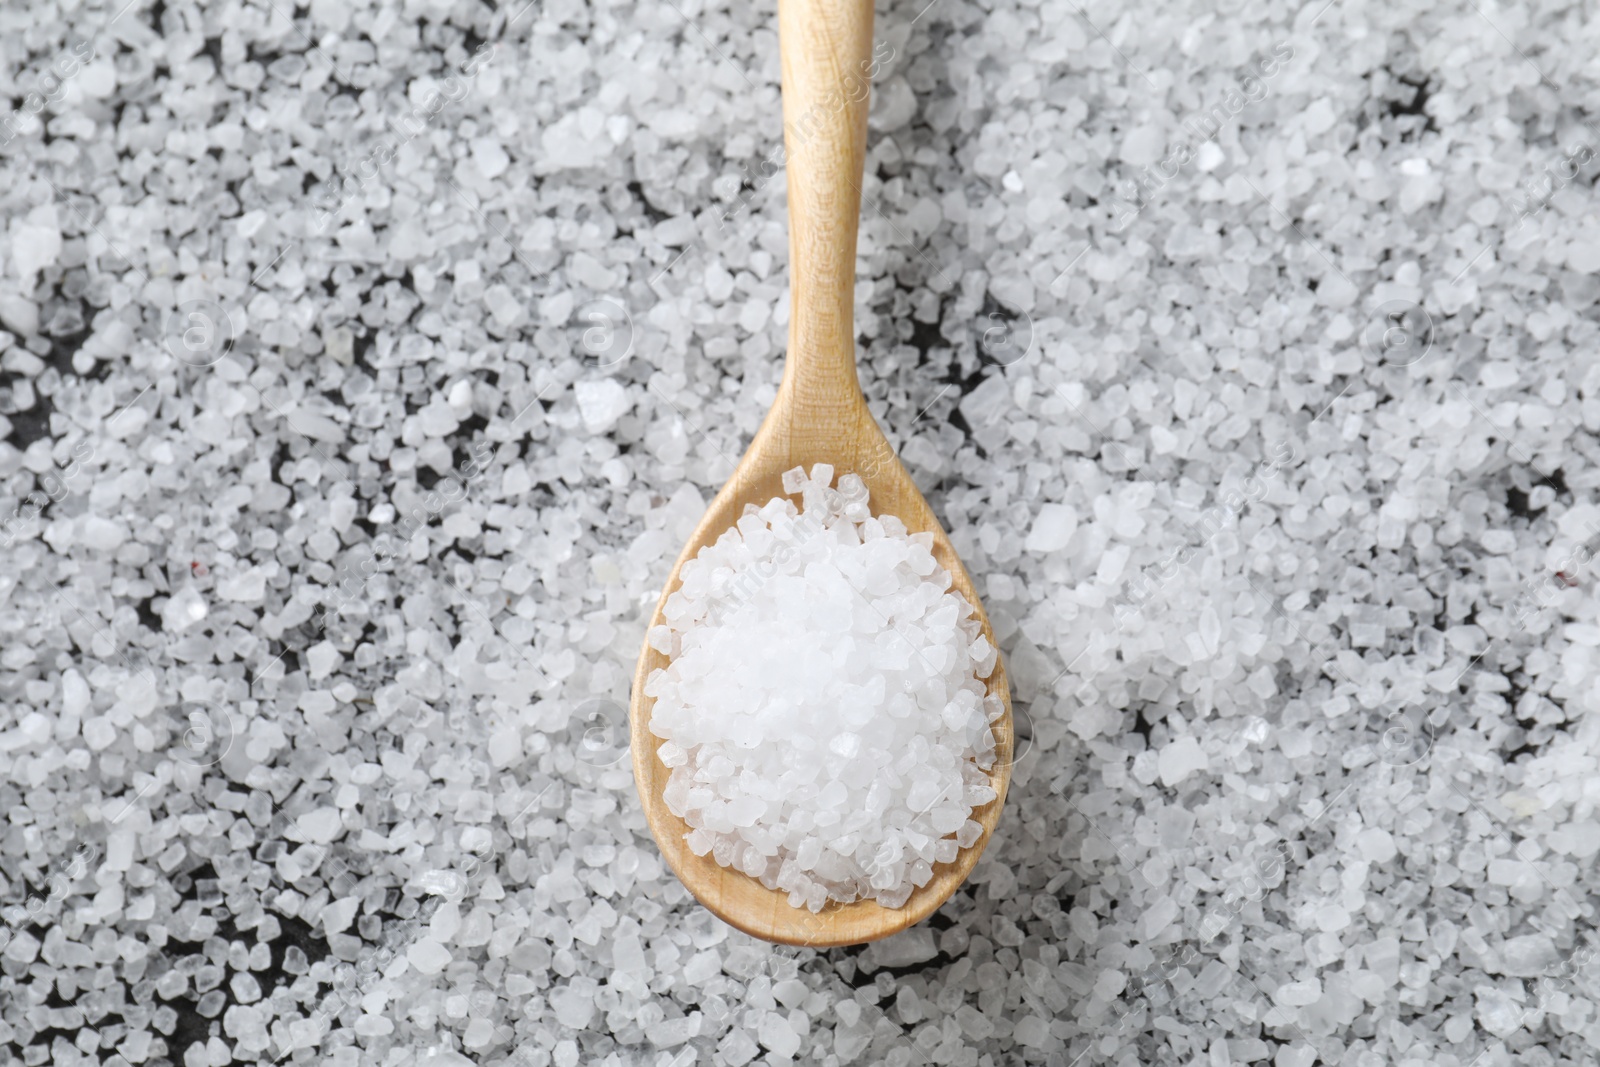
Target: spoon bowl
(818, 416)
(782, 443)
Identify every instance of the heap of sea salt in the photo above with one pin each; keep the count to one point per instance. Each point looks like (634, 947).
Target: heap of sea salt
(824, 713)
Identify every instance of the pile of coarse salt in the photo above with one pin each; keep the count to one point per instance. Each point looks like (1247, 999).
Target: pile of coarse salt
(824, 712)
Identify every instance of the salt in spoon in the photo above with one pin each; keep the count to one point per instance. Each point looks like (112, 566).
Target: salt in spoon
(818, 416)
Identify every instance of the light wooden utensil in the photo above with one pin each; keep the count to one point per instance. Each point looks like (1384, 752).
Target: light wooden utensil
(819, 416)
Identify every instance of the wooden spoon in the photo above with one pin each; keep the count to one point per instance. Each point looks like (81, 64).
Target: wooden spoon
(819, 416)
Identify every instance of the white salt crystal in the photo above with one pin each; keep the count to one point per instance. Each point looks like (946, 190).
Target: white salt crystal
(74, 694)
(1376, 845)
(1032, 1031)
(321, 825)
(776, 1034)
(23, 947)
(702, 966)
(1497, 1013)
(322, 658)
(428, 956)
(1383, 958)
(1528, 956)
(794, 480)
(738, 1048)
(438, 419)
(302, 420)
(1142, 145)
(1052, 529)
(247, 586)
(1111, 564)
(904, 949)
(600, 403)
(846, 745)
(135, 1048)
(1498, 375)
(35, 728)
(669, 1033)
(574, 1006)
(627, 954)
(1262, 684)
(338, 914)
(1158, 917)
(98, 732)
(119, 849)
(1298, 994)
(1583, 255)
(446, 921)
(103, 535)
(34, 247)
(586, 270)
(490, 157)
(439, 883)
(1302, 1055)
(1180, 758)
(183, 609)
(245, 988)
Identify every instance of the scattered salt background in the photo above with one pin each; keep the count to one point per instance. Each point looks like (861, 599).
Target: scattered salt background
(1272, 460)
(824, 711)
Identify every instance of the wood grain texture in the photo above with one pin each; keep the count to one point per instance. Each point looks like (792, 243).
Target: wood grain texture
(818, 416)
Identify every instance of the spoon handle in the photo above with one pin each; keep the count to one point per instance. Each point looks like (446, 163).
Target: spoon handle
(826, 50)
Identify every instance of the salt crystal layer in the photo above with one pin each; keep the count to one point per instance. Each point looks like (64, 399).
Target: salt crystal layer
(824, 712)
